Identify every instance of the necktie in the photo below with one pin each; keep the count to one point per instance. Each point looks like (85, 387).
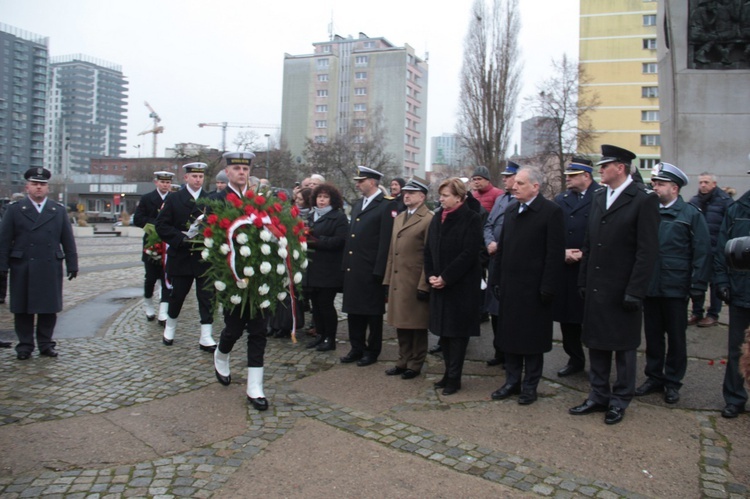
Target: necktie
(408, 214)
(39, 207)
(364, 204)
(522, 208)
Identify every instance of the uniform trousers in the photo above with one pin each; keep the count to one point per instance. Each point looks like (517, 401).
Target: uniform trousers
(623, 389)
(45, 327)
(181, 287)
(734, 390)
(571, 334)
(324, 314)
(514, 366)
(155, 272)
(235, 324)
(360, 341)
(454, 353)
(714, 306)
(666, 362)
(412, 348)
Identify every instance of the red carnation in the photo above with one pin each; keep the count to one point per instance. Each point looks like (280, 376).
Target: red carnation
(282, 229)
(301, 224)
(262, 214)
(277, 206)
(282, 195)
(294, 211)
(302, 239)
(260, 200)
(249, 210)
(258, 223)
(296, 230)
(232, 198)
(275, 220)
(207, 232)
(271, 209)
(225, 223)
(249, 194)
(212, 219)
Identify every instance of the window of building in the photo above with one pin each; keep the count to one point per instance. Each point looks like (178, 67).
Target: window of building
(321, 109)
(360, 91)
(649, 115)
(650, 68)
(323, 63)
(649, 20)
(359, 139)
(360, 75)
(650, 140)
(326, 49)
(360, 107)
(649, 92)
(321, 124)
(359, 123)
(361, 60)
(648, 163)
(323, 77)
(649, 43)
(321, 139)
(369, 45)
(322, 93)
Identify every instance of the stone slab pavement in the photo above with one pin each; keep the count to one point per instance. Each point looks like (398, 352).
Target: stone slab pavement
(118, 414)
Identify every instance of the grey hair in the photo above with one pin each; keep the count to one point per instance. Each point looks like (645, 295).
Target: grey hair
(318, 176)
(535, 175)
(714, 178)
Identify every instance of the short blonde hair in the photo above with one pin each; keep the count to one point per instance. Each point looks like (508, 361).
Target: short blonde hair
(455, 186)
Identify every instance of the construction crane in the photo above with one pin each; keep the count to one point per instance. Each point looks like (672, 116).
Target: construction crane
(157, 129)
(224, 125)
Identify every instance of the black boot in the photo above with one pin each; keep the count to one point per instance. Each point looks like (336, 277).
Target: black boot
(316, 342)
(327, 345)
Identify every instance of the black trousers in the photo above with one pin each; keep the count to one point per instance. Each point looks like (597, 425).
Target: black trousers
(734, 390)
(3, 285)
(514, 366)
(666, 361)
(45, 327)
(360, 341)
(324, 314)
(571, 333)
(181, 285)
(454, 353)
(155, 272)
(623, 389)
(235, 324)
(495, 319)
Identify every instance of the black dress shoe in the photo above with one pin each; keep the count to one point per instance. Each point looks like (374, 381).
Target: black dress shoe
(207, 348)
(440, 384)
(527, 397)
(436, 349)
(587, 407)
(410, 374)
(23, 355)
(649, 386)
(568, 370)
(350, 357)
(162, 323)
(150, 318)
(50, 352)
(671, 395)
(730, 411)
(166, 341)
(366, 361)
(451, 387)
(316, 342)
(260, 403)
(224, 380)
(494, 362)
(5, 344)
(326, 346)
(506, 391)
(394, 371)
(283, 333)
(614, 415)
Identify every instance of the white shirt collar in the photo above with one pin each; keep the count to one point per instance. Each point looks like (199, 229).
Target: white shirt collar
(193, 193)
(367, 200)
(613, 194)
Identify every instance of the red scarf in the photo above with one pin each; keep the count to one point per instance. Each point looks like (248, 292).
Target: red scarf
(446, 212)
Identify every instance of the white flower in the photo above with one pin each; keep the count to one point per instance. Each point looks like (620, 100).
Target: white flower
(283, 253)
(204, 254)
(263, 289)
(224, 248)
(295, 254)
(265, 268)
(220, 285)
(297, 278)
(280, 269)
(304, 245)
(303, 265)
(286, 282)
(265, 304)
(282, 242)
(208, 242)
(265, 249)
(248, 271)
(265, 235)
(242, 284)
(241, 238)
(236, 299)
(245, 250)
(281, 296)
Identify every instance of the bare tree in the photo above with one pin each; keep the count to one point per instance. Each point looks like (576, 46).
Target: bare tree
(563, 115)
(490, 82)
(247, 140)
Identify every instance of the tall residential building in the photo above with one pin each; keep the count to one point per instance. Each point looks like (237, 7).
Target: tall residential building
(347, 81)
(23, 97)
(447, 153)
(86, 113)
(537, 133)
(618, 52)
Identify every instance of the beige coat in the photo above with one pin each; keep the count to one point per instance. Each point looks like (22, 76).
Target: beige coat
(404, 272)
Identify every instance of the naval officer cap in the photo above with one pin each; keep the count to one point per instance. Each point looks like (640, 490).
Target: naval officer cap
(670, 173)
(37, 174)
(511, 168)
(195, 167)
(611, 154)
(416, 184)
(364, 173)
(163, 175)
(238, 158)
(579, 165)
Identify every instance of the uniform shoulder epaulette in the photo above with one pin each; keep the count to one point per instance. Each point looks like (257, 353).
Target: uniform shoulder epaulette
(600, 189)
(390, 198)
(59, 204)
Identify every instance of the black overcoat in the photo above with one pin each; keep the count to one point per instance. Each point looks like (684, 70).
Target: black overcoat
(179, 211)
(366, 255)
(326, 244)
(146, 213)
(453, 253)
(530, 258)
(619, 254)
(569, 304)
(32, 247)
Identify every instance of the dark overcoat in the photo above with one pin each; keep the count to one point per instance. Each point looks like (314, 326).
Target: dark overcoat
(366, 255)
(146, 213)
(530, 260)
(568, 302)
(32, 247)
(493, 227)
(619, 254)
(179, 211)
(452, 252)
(326, 243)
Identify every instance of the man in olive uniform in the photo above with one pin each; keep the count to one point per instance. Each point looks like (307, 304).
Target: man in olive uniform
(365, 259)
(35, 237)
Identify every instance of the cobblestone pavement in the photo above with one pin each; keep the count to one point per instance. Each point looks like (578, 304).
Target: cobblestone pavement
(117, 370)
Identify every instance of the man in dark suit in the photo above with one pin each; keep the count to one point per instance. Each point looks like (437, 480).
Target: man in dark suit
(146, 213)
(365, 259)
(176, 225)
(35, 237)
(619, 253)
(576, 204)
(526, 276)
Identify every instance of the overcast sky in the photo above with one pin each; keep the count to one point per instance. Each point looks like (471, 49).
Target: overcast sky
(222, 60)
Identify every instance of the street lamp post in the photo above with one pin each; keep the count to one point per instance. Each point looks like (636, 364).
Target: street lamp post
(268, 149)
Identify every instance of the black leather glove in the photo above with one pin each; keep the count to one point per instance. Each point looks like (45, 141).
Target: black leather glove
(546, 298)
(582, 292)
(496, 292)
(724, 294)
(423, 295)
(631, 303)
(72, 275)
